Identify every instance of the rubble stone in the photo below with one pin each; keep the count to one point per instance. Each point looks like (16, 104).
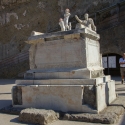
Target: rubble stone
(37, 116)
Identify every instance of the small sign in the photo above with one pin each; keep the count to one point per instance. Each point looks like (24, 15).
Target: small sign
(104, 62)
(112, 61)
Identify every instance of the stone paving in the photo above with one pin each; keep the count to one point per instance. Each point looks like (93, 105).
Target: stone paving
(5, 100)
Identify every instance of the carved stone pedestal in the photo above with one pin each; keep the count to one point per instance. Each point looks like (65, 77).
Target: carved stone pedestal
(66, 74)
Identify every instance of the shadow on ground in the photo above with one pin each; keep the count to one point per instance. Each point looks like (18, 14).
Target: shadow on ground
(122, 120)
(121, 89)
(121, 94)
(4, 103)
(116, 78)
(5, 93)
(15, 120)
(7, 81)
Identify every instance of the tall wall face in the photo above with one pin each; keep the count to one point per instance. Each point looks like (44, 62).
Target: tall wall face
(113, 40)
(18, 18)
(17, 21)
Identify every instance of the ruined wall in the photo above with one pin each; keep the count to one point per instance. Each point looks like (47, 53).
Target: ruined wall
(113, 40)
(18, 18)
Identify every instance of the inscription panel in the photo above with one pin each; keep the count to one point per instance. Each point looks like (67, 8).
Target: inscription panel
(59, 54)
(93, 53)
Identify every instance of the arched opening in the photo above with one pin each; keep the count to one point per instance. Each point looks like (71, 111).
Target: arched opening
(111, 64)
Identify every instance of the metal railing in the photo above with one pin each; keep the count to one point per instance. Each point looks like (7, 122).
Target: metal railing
(15, 59)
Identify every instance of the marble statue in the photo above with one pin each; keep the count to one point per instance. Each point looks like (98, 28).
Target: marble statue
(70, 26)
(61, 23)
(64, 23)
(66, 19)
(88, 22)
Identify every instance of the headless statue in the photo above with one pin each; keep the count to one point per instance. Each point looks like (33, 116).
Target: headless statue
(61, 23)
(88, 22)
(66, 19)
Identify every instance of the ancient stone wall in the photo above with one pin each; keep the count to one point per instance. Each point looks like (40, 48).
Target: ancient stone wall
(18, 18)
(113, 40)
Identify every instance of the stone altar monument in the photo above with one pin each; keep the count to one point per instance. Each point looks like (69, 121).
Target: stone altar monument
(66, 73)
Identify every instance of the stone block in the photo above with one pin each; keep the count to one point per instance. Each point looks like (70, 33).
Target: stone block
(72, 36)
(64, 97)
(60, 98)
(38, 116)
(101, 97)
(57, 82)
(67, 52)
(66, 74)
(109, 116)
(110, 94)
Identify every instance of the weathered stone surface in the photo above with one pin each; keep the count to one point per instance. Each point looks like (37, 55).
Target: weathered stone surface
(65, 98)
(119, 110)
(109, 116)
(17, 95)
(38, 116)
(89, 96)
(105, 119)
(66, 53)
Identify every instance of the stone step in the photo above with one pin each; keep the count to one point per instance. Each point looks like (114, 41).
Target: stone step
(68, 74)
(96, 81)
(57, 82)
(77, 98)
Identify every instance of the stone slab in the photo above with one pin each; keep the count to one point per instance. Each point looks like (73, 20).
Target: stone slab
(109, 116)
(107, 91)
(85, 32)
(59, 98)
(95, 81)
(65, 97)
(101, 97)
(111, 95)
(72, 52)
(57, 82)
(68, 74)
(38, 116)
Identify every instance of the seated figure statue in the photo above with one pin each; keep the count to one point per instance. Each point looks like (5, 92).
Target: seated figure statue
(88, 22)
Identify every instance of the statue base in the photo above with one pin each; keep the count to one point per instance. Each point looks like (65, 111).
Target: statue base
(66, 74)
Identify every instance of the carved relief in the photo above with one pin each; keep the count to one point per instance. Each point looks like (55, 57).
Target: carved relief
(60, 54)
(93, 55)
